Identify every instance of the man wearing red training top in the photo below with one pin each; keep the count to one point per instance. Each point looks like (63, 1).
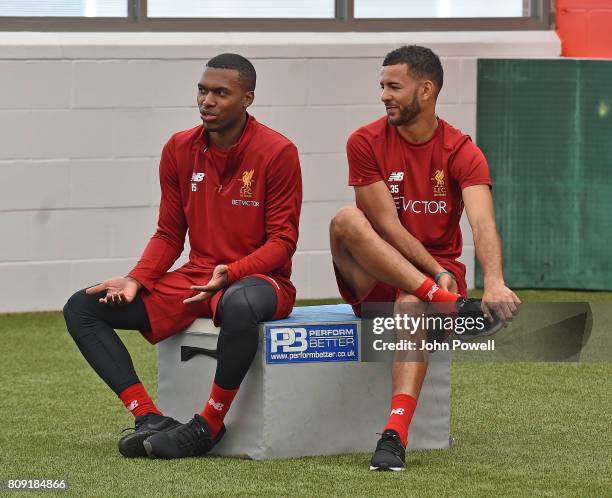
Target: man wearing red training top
(413, 173)
(236, 186)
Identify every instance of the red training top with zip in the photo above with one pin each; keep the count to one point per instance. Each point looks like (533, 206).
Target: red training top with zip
(241, 207)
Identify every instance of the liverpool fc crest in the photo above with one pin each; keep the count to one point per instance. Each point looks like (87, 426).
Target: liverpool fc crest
(247, 182)
(439, 189)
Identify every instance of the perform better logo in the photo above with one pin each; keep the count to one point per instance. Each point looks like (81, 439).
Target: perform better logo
(289, 340)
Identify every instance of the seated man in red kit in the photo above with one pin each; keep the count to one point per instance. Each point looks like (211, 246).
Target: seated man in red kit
(413, 173)
(236, 186)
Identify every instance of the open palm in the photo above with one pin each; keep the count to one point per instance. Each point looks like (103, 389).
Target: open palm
(119, 291)
(218, 281)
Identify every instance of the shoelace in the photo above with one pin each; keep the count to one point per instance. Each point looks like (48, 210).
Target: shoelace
(137, 425)
(192, 435)
(390, 443)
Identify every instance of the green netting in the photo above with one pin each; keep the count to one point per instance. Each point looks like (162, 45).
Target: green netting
(545, 127)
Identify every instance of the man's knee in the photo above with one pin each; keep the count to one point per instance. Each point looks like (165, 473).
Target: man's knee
(75, 303)
(347, 223)
(79, 306)
(247, 305)
(236, 310)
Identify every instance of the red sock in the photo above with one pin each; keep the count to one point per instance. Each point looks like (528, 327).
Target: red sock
(402, 409)
(217, 406)
(137, 400)
(431, 292)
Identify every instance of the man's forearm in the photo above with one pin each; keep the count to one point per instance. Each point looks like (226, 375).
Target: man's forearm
(489, 252)
(413, 250)
(376, 202)
(267, 258)
(158, 256)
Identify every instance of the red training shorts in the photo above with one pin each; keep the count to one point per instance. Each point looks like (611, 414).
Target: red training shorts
(168, 315)
(384, 293)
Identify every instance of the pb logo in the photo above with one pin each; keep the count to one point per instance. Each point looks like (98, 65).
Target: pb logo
(288, 340)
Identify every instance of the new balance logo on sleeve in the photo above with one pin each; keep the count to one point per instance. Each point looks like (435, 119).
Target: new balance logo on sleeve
(396, 176)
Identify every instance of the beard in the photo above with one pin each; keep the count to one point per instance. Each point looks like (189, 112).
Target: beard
(407, 114)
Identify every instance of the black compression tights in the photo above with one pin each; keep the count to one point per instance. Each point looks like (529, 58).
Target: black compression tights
(244, 305)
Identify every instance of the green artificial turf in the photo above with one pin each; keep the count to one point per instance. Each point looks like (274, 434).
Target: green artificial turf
(520, 429)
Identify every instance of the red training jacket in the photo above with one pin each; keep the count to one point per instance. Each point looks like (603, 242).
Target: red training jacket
(245, 216)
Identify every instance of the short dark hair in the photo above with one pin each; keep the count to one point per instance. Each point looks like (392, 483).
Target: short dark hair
(422, 62)
(246, 71)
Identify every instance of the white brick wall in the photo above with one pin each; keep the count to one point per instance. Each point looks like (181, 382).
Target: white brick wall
(84, 117)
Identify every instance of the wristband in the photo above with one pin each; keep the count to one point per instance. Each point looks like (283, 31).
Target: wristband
(439, 275)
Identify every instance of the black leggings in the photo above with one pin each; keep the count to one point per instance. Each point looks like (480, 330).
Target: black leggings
(91, 324)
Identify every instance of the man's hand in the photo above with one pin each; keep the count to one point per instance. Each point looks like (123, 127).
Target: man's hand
(119, 290)
(501, 300)
(448, 283)
(218, 281)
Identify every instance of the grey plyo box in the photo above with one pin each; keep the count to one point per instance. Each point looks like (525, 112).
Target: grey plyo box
(301, 409)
